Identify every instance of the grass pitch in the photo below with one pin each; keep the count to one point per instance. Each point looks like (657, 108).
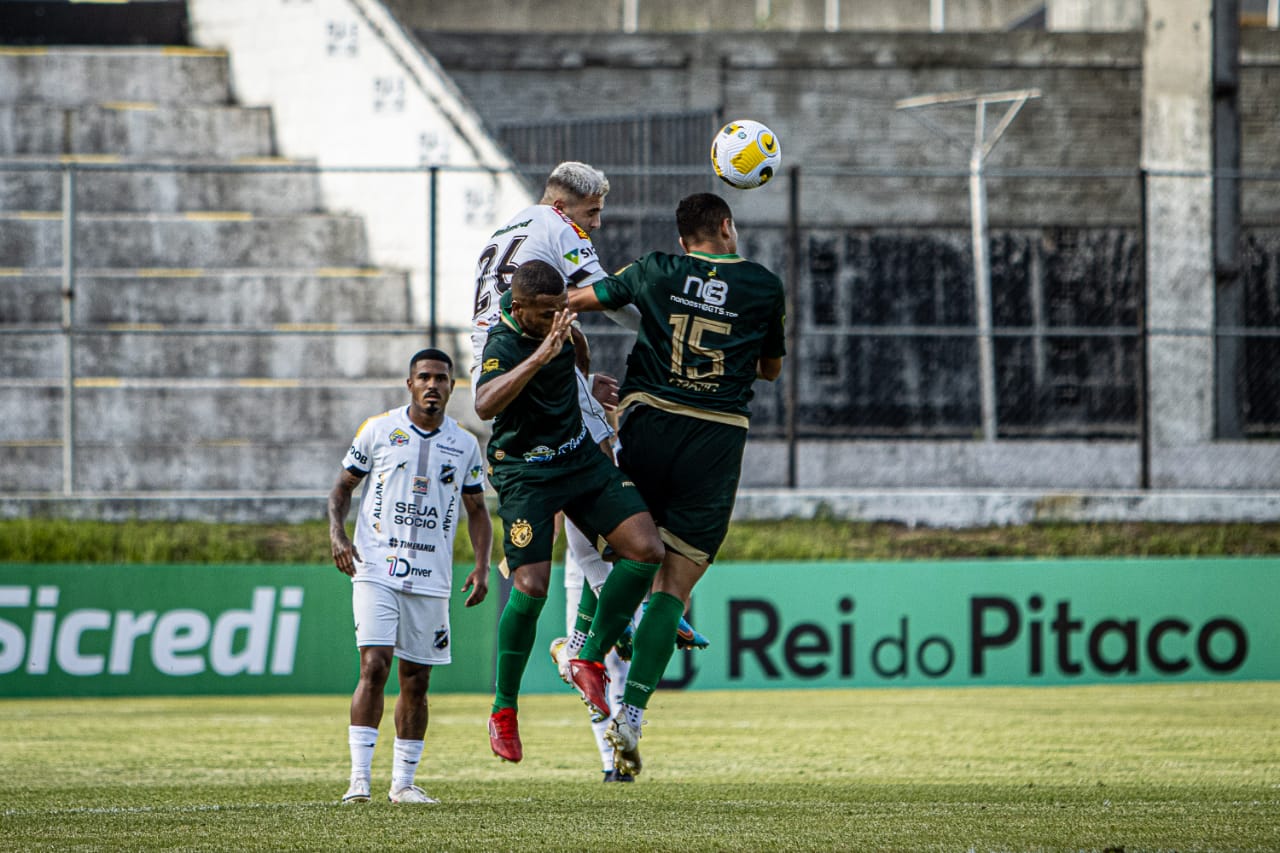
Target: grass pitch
(1151, 767)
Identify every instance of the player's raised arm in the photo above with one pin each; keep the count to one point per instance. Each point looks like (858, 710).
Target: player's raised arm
(538, 310)
(584, 299)
(494, 396)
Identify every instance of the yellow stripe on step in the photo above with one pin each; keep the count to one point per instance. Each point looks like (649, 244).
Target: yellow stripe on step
(218, 216)
(167, 272)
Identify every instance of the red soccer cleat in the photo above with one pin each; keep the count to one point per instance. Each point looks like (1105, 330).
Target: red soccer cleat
(504, 735)
(590, 679)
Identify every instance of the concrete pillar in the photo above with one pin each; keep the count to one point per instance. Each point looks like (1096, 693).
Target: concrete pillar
(1177, 111)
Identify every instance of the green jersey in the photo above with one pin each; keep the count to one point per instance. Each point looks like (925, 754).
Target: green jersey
(705, 322)
(543, 423)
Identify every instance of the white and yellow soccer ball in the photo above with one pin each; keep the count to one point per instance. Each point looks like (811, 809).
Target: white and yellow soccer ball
(746, 154)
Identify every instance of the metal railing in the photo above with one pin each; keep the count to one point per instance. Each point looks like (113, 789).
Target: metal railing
(883, 336)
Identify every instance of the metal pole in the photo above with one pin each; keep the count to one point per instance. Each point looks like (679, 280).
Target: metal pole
(978, 152)
(431, 252)
(982, 280)
(68, 321)
(938, 15)
(791, 394)
(1144, 413)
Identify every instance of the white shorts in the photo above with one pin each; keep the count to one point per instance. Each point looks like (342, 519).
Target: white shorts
(416, 625)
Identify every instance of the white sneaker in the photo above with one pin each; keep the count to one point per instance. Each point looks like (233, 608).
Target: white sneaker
(411, 794)
(625, 739)
(560, 654)
(358, 791)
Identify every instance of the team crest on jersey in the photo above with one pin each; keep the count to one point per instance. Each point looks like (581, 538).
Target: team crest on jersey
(398, 437)
(521, 533)
(421, 485)
(490, 365)
(447, 473)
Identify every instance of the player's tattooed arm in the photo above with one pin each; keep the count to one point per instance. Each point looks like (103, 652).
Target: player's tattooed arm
(345, 555)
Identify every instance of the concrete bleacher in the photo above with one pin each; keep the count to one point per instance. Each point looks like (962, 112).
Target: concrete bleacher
(229, 332)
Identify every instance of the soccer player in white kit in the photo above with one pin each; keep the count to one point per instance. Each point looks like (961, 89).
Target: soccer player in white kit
(420, 469)
(558, 230)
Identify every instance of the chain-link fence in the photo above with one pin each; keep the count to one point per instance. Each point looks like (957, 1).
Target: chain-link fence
(885, 341)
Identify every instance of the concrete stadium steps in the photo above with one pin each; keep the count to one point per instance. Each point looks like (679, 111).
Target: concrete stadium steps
(138, 129)
(236, 436)
(191, 240)
(248, 299)
(298, 353)
(230, 334)
(246, 466)
(245, 298)
(72, 76)
(199, 411)
(29, 356)
(264, 186)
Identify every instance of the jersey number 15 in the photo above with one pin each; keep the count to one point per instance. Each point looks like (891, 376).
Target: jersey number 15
(686, 335)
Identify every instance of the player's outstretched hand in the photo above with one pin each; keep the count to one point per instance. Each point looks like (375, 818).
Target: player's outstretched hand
(478, 583)
(605, 389)
(556, 336)
(345, 555)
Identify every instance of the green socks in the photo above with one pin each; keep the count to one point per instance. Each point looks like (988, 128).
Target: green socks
(653, 646)
(586, 609)
(621, 594)
(517, 628)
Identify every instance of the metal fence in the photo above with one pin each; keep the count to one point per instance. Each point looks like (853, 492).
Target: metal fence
(885, 341)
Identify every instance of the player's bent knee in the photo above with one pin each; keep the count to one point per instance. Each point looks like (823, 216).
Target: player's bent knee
(531, 583)
(637, 539)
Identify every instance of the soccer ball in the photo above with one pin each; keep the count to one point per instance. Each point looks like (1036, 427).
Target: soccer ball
(745, 154)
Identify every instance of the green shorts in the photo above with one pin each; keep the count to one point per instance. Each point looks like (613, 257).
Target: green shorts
(687, 470)
(586, 486)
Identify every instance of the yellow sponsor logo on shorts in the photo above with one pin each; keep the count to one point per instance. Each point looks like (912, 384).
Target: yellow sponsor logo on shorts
(490, 365)
(521, 533)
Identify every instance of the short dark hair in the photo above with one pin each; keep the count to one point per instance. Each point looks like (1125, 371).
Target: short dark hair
(430, 354)
(537, 278)
(700, 215)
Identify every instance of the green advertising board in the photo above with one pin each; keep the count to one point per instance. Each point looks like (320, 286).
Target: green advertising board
(988, 623)
(86, 630)
(99, 630)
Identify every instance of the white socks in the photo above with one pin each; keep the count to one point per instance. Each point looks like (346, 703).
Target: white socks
(635, 716)
(408, 753)
(362, 740)
(576, 641)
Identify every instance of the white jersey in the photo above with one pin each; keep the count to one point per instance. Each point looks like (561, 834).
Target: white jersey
(411, 505)
(540, 232)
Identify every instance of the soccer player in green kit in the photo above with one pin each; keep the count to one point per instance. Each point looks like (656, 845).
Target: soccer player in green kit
(711, 324)
(542, 461)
